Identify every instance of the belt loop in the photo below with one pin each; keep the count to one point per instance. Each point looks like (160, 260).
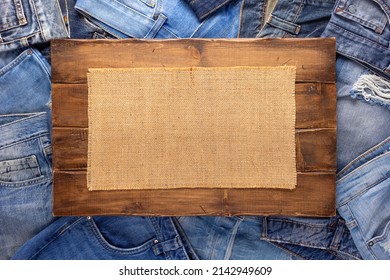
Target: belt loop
(340, 227)
(156, 26)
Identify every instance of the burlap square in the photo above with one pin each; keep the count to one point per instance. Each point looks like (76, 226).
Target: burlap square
(164, 128)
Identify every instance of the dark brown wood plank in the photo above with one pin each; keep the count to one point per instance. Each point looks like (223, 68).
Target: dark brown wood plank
(314, 197)
(314, 58)
(315, 103)
(315, 149)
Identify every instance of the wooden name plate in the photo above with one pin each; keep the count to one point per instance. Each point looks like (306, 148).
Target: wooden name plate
(315, 128)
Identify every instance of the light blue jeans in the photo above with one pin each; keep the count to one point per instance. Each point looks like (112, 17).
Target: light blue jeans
(25, 150)
(24, 23)
(160, 19)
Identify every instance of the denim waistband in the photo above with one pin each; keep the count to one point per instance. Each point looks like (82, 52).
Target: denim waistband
(374, 169)
(137, 21)
(31, 22)
(22, 127)
(362, 30)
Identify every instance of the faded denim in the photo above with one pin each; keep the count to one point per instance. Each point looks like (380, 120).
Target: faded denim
(159, 19)
(362, 29)
(25, 149)
(204, 8)
(230, 238)
(24, 23)
(102, 238)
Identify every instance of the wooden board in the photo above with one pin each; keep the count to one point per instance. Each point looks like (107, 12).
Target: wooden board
(315, 126)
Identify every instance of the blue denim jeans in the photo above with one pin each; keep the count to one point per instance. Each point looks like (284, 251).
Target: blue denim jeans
(159, 19)
(230, 238)
(361, 125)
(24, 23)
(114, 238)
(25, 149)
(362, 29)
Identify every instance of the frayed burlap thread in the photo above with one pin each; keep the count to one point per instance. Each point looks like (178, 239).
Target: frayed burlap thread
(217, 127)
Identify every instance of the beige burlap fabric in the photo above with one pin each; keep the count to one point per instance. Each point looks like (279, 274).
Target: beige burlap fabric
(164, 128)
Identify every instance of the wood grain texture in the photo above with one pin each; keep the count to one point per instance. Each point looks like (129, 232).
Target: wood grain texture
(73, 198)
(315, 104)
(314, 58)
(315, 126)
(315, 149)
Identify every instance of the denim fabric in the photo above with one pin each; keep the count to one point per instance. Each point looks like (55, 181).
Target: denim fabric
(360, 125)
(230, 238)
(362, 29)
(24, 23)
(101, 238)
(363, 195)
(25, 149)
(204, 8)
(298, 18)
(159, 19)
(252, 17)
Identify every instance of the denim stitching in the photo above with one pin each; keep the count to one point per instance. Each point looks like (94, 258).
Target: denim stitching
(46, 157)
(356, 160)
(14, 63)
(363, 190)
(57, 234)
(42, 64)
(231, 241)
(359, 20)
(213, 10)
(18, 40)
(104, 243)
(38, 20)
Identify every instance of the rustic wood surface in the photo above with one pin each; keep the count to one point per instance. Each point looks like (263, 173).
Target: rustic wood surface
(315, 126)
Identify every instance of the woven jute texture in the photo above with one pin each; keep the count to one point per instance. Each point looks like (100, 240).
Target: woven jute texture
(164, 128)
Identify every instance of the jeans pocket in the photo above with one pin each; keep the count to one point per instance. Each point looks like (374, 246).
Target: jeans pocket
(367, 13)
(25, 163)
(143, 245)
(12, 14)
(19, 169)
(380, 245)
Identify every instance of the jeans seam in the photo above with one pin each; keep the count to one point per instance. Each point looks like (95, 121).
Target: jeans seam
(67, 30)
(361, 235)
(363, 190)
(43, 65)
(104, 243)
(240, 18)
(357, 35)
(213, 10)
(45, 156)
(39, 20)
(229, 249)
(58, 234)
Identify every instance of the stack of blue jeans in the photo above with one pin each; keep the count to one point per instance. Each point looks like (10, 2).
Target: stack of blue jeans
(362, 224)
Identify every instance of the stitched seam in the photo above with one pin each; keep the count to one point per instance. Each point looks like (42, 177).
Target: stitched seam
(104, 243)
(58, 234)
(39, 21)
(213, 10)
(363, 190)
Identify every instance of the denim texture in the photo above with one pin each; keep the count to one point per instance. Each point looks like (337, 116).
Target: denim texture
(252, 18)
(230, 238)
(297, 18)
(204, 8)
(363, 195)
(101, 238)
(159, 19)
(24, 23)
(362, 29)
(25, 149)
